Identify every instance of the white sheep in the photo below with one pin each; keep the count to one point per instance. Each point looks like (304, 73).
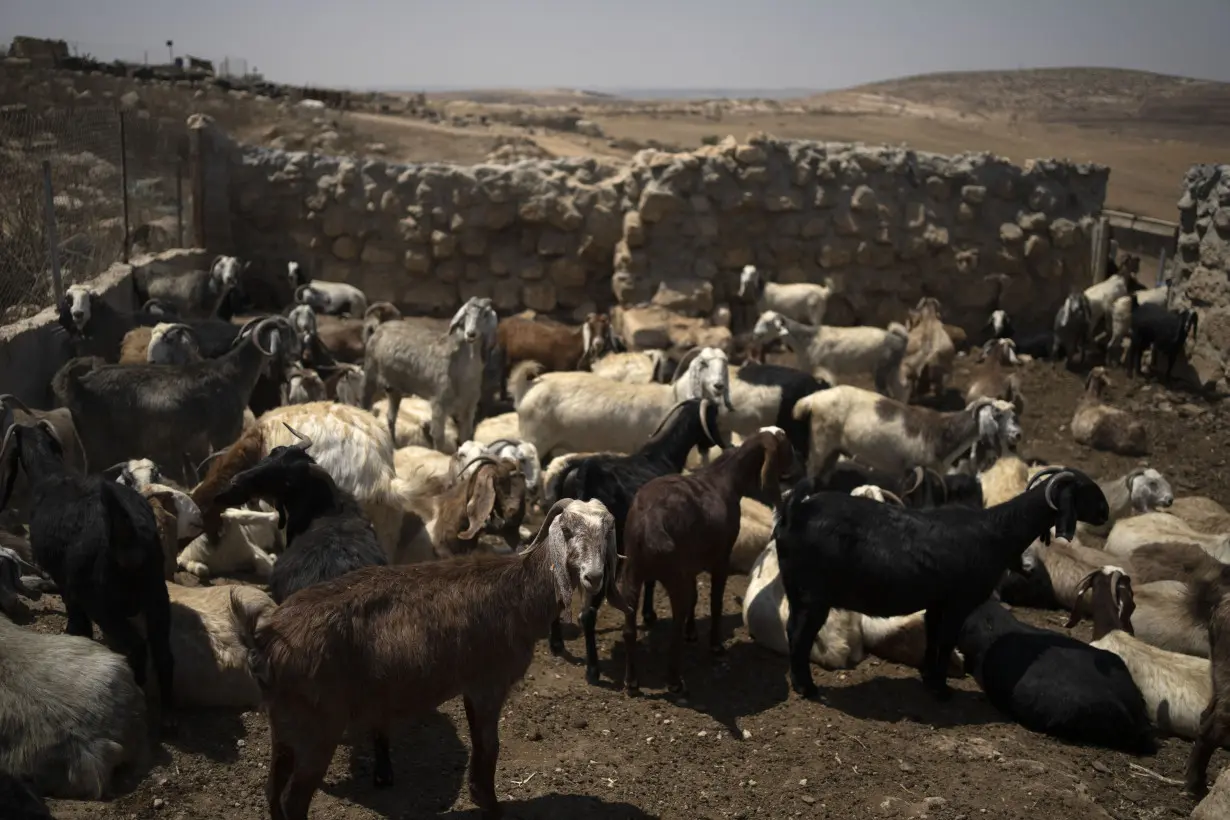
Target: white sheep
(894, 437)
(803, 302)
(841, 352)
(580, 411)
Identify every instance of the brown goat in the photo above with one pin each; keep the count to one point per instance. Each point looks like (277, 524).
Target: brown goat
(14, 411)
(553, 344)
(135, 345)
(1102, 427)
(163, 504)
(491, 500)
(993, 379)
(930, 351)
(247, 451)
(682, 525)
(1209, 603)
(389, 643)
(346, 339)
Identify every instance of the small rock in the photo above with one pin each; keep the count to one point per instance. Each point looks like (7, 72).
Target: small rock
(702, 733)
(1101, 767)
(907, 767)
(803, 782)
(580, 723)
(808, 799)
(159, 802)
(534, 735)
(747, 734)
(239, 744)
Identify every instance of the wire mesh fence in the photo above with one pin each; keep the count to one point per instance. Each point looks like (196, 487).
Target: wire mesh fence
(80, 188)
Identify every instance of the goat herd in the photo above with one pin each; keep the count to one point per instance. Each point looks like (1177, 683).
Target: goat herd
(271, 428)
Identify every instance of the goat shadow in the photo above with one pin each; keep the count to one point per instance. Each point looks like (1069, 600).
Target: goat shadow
(429, 768)
(891, 700)
(556, 806)
(734, 685)
(210, 732)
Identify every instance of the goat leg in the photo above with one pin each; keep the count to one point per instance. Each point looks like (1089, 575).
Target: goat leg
(281, 764)
(803, 624)
(307, 773)
(630, 584)
(483, 715)
(648, 616)
(717, 589)
(393, 409)
(941, 639)
(78, 622)
(158, 638)
(682, 593)
(555, 640)
(382, 770)
(1214, 731)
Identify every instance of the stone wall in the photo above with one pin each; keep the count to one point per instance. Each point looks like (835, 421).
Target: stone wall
(1203, 272)
(886, 225)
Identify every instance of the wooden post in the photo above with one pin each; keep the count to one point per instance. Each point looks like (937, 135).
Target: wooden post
(124, 186)
(197, 169)
(1101, 248)
(53, 239)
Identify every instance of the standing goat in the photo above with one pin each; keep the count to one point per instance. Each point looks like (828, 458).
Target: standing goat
(332, 298)
(159, 412)
(804, 302)
(1071, 331)
(96, 328)
(614, 480)
(193, 294)
(1101, 297)
(98, 540)
(682, 525)
(841, 351)
(555, 346)
(389, 643)
(405, 357)
(1164, 331)
(1121, 319)
(929, 352)
(877, 559)
(896, 437)
(992, 377)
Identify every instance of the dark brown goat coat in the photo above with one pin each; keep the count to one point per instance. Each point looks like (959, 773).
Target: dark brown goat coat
(554, 345)
(682, 525)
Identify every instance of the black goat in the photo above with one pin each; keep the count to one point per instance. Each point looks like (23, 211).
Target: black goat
(615, 479)
(920, 488)
(1053, 683)
(98, 540)
(18, 800)
(326, 535)
(855, 553)
(1165, 331)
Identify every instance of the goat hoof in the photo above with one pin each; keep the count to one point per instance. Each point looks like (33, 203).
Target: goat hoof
(649, 618)
(678, 688)
(633, 689)
(1197, 788)
(555, 648)
(806, 689)
(592, 676)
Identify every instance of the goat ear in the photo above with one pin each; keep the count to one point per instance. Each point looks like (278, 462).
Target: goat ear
(771, 469)
(558, 546)
(480, 502)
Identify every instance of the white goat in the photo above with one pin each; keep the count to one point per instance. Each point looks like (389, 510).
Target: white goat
(1102, 298)
(172, 343)
(894, 437)
(1130, 534)
(580, 411)
(406, 357)
(1121, 320)
(1142, 490)
(141, 474)
(802, 302)
(842, 352)
(72, 712)
(333, 298)
(635, 367)
(505, 425)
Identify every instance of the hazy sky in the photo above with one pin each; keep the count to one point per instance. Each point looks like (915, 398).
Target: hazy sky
(641, 43)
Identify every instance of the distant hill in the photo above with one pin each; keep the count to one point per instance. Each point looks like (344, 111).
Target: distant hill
(1077, 95)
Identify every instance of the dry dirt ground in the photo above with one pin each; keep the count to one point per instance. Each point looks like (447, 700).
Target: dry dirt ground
(877, 746)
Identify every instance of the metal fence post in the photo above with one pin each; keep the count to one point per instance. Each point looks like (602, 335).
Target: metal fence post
(53, 241)
(124, 183)
(179, 204)
(196, 153)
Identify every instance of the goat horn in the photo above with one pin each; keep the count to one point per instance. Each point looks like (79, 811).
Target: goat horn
(1041, 474)
(918, 474)
(118, 466)
(1083, 585)
(304, 441)
(209, 459)
(685, 363)
(943, 486)
(483, 458)
(1050, 488)
(704, 419)
(893, 497)
(8, 399)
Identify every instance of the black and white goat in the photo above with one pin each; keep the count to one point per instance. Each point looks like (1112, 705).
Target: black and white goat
(615, 479)
(881, 560)
(98, 540)
(1162, 330)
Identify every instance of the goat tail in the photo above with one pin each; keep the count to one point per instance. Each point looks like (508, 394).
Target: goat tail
(245, 622)
(522, 378)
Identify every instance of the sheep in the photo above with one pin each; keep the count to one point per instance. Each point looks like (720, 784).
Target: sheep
(1164, 331)
(193, 294)
(73, 713)
(98, 541)
(14, 411)
(614, 480)
(1130, 534)
(332, 298)
(764, 395)
(329, 658)
(803, 302)
(584, 412)
(638, 367)
(1209, 603)
(1071, 331)
(847, 637)
(842, 351)
(166, 411)
(681, 525)
(1098, 425)
(929, 351)
(404, 357)
(991, 377)
(1054, 684)
(838, 551)
(1101, 297)
(895, 437)
(1121, 319)
(326, 534)
(352, 445)
(557, 347)
(1176, 687)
